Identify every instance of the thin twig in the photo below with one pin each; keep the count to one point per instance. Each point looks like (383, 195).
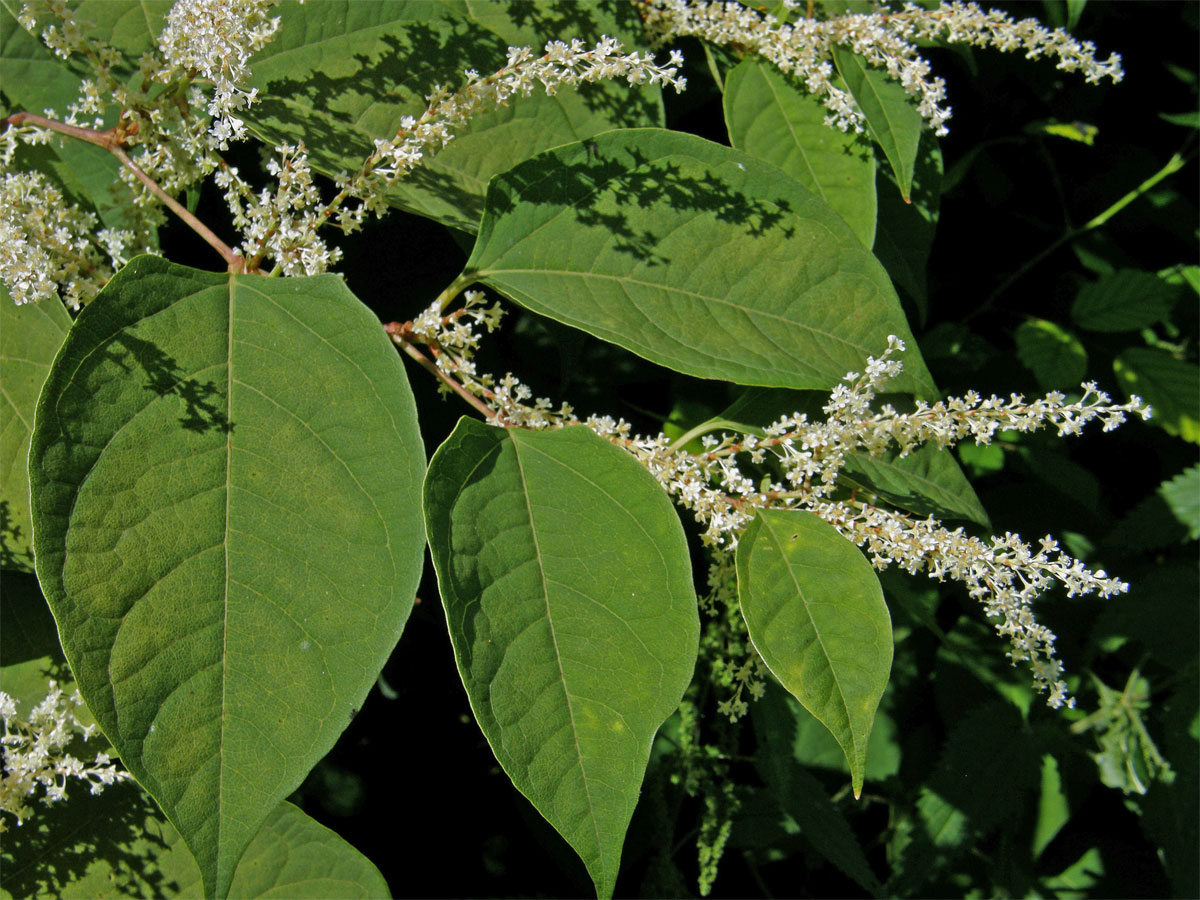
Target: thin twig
(400, 335)
(111, 141)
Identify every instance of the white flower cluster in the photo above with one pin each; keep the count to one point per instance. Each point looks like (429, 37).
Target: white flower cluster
(49, 247)
(280, 223)
(214, 39)
(35, 754)
(887, 40)
(1004, 574)
(562, 64)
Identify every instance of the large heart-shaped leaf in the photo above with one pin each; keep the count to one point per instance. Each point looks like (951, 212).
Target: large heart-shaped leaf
(772, 120)
(225, 475)
(567, 585)
(30, 335)
(692, 255)
(338, 76)
(118, 844)
(815, 613)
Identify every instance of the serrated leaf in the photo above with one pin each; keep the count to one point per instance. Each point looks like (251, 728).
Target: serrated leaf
(893, 122)
(1055, 356)
(771, 120)
(1171, 387)
(1182, 494)
(692, 255)
(815, 613)
(226, 475)
(984, 777)
(567, 586)
(340, 75)
(30, 335)
(1125, 300)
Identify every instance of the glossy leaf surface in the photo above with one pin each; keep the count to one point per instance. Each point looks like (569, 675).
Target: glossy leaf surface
(30, 335)
(226, 474)
(692, 255)
(341, 75)
(816, 615)
(771, 120)
(568, 592)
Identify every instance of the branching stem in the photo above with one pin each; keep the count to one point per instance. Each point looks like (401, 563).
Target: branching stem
(112, 140)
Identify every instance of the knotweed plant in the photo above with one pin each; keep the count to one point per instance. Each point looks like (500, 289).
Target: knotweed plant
(228, 495)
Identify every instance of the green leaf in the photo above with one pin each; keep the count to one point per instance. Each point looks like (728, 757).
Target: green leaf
(892, 120)
(984, 778)
(798, 793)
(927, 482)
(815, 613)
(904, 236)
(1056, 357)
(692, 255)
(339, 76)
(1182, 494)
(225, 473)
(30, 335)
(567, 585)
(772, 120)
(1126, 300)
(1171, 387)
(117, 843)
(1054, 809)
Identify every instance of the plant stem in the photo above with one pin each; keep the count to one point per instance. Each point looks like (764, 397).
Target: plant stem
(111, 140)
(1173, 165)
(399, 335)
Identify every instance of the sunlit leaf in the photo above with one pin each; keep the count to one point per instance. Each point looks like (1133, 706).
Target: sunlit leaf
(1182, 494)
(692, 255)
(892, 120)
(816, 615)
(772, 120)
(226, 475)
(1171, 387)
(567, 586)
(1056, 357)
(338, 76)
(30, 335)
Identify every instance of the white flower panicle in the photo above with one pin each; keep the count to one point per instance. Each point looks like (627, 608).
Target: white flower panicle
(1004, 574)
(561, 65)
(888, 40)
(51, 248)
(35, 754)
(280, 223)
(214, 39)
